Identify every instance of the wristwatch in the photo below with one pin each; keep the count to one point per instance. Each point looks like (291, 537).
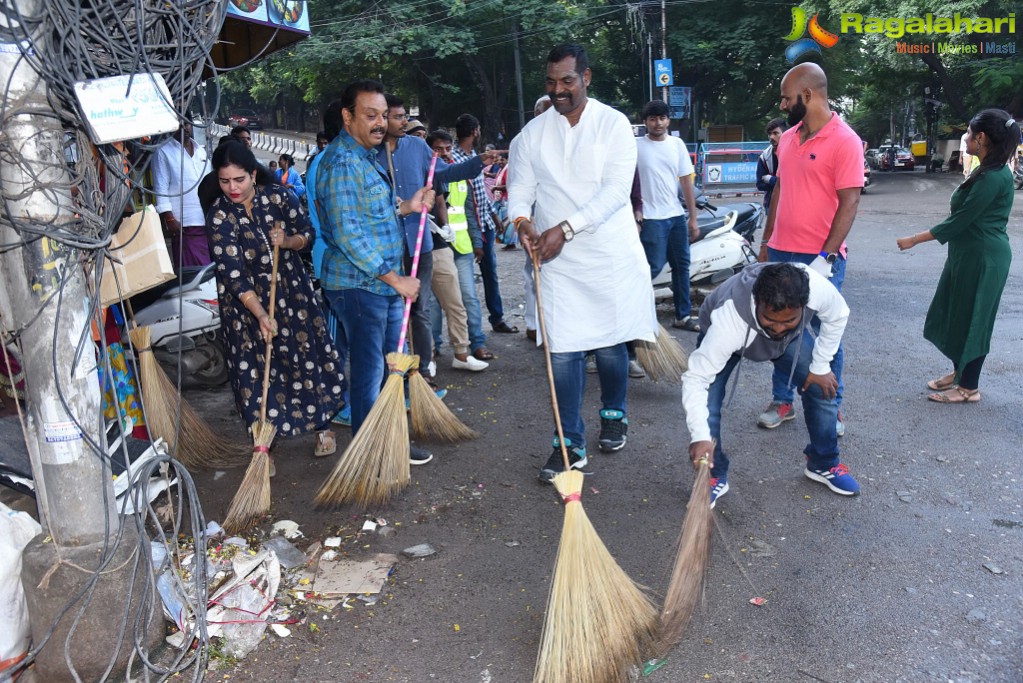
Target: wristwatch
(567, 230)
(829, 257)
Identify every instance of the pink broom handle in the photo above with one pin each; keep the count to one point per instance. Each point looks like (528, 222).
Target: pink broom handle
(415, 261)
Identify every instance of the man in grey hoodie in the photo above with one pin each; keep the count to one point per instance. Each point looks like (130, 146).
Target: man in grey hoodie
(763, 314)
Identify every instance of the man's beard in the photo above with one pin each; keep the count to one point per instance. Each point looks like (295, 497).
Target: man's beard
(797, 112)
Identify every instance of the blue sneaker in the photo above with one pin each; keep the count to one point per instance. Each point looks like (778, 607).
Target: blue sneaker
(343, 417)
(836, 478)
(555, 464)
(718, 488)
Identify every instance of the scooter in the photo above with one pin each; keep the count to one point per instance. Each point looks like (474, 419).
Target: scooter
(722, 249)
(184, 322)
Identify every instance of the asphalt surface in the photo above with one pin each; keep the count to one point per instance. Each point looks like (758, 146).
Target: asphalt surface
(918, 579)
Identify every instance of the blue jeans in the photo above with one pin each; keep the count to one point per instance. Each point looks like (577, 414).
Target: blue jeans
(667, 240)
(491, 287)
(372, 325)
(781, 392)
(473, 312)
(821, 413)
(569, 371)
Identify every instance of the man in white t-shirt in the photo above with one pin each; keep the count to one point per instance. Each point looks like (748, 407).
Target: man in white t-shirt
(663, 162)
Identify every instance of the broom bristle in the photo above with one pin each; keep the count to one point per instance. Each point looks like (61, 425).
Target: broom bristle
(199, 446)
(664, 359)
(252, 502)
(432, 420)
(375, 465)
(598, 622)
(686, 583)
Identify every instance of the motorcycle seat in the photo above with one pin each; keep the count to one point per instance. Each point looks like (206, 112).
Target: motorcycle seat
(745, 213)
(710, 226)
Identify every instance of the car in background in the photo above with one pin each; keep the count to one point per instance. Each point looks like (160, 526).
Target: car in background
(903, 159)
(245, 117)
(870, 156)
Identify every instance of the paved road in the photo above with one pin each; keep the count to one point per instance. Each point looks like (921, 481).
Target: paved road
(890, 586)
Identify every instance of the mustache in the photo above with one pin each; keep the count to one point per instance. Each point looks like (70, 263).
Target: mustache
(378, 129)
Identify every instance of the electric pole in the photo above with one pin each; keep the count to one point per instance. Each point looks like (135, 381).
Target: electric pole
(44, 297)
(518, 75)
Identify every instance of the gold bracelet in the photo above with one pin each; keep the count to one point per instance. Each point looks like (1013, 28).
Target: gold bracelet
(519, 220)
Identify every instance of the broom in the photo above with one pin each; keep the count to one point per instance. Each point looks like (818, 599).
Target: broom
(598, 621)
(431, 419)
(686, 582)
(199, 446)
(252, 501)
(376, 463)
(664, 358)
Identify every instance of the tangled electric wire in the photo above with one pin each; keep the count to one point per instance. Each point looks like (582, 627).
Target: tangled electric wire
(87, 187)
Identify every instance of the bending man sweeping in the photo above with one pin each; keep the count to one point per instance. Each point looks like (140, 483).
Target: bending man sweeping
(576, 163)
(763, 314)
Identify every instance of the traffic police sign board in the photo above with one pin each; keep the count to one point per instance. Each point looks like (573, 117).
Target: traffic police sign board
(663, 72)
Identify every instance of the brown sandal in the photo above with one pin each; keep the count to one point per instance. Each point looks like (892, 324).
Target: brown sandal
(326, 444)
(956, 394)
(943, 383)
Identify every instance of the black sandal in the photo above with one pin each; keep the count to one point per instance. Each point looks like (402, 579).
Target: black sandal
(504, 328)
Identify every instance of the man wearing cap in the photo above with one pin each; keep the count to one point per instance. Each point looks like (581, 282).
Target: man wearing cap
(414, 127)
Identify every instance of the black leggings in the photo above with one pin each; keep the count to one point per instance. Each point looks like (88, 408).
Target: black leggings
(969, 378)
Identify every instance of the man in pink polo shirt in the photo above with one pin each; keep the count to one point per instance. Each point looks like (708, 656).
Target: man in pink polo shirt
(820, 174)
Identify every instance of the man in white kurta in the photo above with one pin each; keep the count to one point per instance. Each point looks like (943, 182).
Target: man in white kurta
(572, 169)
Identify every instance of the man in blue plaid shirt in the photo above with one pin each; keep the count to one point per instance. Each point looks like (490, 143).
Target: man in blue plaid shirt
(362, 275)
(480, 214)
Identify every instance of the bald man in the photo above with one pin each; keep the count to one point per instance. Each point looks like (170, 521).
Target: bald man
(820, 175)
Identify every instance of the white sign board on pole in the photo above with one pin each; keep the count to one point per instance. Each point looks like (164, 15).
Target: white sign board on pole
(114, 112)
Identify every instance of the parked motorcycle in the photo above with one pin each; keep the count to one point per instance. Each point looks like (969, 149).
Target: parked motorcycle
(184, 322)
(722, 249)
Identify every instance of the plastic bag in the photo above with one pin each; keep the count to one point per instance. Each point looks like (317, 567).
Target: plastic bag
(16, 530)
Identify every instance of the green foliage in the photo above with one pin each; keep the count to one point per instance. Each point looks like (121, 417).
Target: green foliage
(451, 56)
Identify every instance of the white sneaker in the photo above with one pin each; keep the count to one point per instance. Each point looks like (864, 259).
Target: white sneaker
(431, 369)
(471, 363)
(636, 370)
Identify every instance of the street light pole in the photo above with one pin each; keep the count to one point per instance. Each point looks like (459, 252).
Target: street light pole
(650, 64)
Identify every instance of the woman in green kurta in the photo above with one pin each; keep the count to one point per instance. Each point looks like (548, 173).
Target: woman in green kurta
(962, 313)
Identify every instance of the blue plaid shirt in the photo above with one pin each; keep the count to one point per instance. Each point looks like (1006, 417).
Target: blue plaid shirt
(484, 209)
(360, 225)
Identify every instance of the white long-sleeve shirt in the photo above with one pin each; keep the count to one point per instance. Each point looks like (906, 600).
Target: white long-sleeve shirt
(730, 332)
(597, 291)
(176, 177)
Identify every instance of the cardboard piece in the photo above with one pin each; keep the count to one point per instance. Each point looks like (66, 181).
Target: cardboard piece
(144, 263)
(346, 576)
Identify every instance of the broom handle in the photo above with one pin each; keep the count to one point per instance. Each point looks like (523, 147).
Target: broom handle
(415, 260)
(547, 356)
(270, 339)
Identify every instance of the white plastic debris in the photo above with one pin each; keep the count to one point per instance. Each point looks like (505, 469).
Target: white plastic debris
(287, 528)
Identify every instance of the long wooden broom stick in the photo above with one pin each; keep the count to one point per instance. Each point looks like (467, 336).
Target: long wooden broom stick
(598, 621)
(252, 501)
(686, 584)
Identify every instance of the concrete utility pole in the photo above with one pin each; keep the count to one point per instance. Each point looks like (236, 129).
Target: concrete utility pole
(71, 482)
(650, 64)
